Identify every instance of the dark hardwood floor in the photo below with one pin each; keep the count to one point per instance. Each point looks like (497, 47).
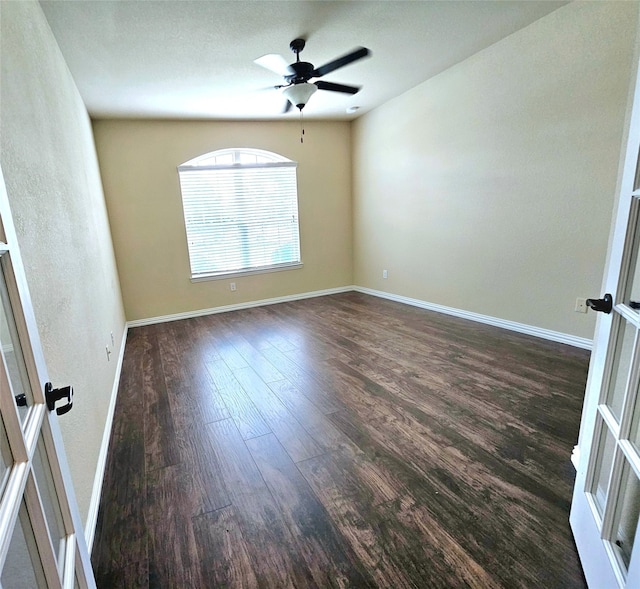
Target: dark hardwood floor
(342, 441)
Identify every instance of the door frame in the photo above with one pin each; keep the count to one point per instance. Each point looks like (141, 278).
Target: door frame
(39, 423)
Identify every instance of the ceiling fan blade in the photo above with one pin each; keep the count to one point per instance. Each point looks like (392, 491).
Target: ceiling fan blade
(276, 63)
(336, 87)
(356, 54)
(267, 88)
(287, 107)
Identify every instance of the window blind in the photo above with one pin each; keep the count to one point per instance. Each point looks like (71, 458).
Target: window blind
(240, 217)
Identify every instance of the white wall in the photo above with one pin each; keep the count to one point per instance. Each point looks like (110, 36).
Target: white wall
(50, 168)
(490, 187)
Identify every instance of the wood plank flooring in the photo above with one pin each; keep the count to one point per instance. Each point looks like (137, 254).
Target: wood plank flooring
(342, 441)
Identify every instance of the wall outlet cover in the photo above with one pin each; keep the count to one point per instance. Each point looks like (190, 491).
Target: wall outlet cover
(581, 305)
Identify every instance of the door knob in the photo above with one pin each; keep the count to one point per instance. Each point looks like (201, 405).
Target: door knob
(604, 305)
(52, 395)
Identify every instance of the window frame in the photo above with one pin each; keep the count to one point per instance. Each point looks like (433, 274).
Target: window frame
(263, 160)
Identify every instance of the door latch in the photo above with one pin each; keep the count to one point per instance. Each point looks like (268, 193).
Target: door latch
(604, 305)
(52, 395)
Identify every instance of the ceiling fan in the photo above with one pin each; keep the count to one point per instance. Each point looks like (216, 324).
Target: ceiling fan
(298, 89)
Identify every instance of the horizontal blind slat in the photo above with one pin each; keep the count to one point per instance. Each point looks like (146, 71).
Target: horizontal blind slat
(240, 218)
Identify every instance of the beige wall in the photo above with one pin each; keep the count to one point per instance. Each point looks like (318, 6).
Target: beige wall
(50, 168)
(138, 160)
(490, 187)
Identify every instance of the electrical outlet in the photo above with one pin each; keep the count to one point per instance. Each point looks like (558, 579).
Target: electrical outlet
(581, 305)
(385, 274)
(232, 286)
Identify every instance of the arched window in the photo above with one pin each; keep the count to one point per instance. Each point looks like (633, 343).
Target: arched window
(240, 212)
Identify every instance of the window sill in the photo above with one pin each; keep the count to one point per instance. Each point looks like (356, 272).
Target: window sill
(264, 270)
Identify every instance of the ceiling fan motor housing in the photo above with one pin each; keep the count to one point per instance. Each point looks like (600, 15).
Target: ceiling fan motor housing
(303, 71)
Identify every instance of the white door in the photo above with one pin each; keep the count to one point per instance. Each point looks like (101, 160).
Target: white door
(41, 538)
(606, 497)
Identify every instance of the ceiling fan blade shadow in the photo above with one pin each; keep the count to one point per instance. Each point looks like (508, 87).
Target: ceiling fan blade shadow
(287, 107)
(276, 63)
(336, 87)
(356, 54)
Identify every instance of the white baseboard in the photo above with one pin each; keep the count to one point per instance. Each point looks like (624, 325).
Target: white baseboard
(548, 334)
(556, 336)
(239, 306)
(94, 505)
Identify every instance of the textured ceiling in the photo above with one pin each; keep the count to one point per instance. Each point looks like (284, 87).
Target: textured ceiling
(194, 59)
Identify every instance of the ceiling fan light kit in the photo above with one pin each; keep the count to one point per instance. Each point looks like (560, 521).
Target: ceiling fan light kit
(299, 94)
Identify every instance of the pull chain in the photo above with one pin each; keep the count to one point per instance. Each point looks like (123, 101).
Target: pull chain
(301, 128)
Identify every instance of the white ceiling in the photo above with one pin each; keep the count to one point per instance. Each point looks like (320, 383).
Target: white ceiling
(194, 59)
